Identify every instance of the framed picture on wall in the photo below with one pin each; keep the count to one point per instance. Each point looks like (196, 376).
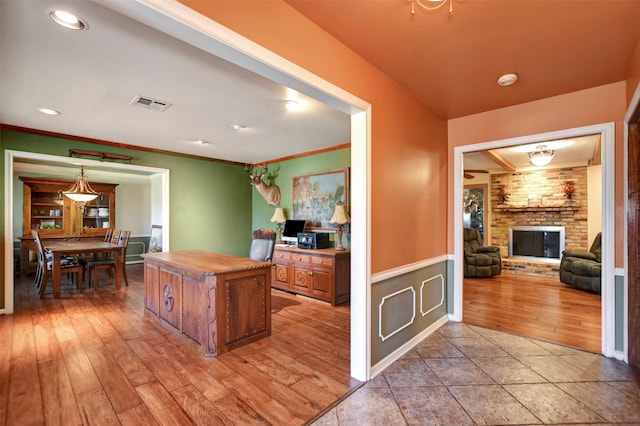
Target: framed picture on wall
(315, 195)
(155, 240)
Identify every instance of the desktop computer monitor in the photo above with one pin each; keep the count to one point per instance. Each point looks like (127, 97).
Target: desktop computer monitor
(291, 229)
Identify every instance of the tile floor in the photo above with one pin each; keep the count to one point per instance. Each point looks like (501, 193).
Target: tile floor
(466, 375)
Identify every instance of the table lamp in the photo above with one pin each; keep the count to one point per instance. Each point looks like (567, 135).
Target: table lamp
(340, 216)
(279, 216)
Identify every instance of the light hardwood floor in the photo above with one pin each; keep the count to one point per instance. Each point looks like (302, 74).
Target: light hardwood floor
(92, 358)
(538, 307)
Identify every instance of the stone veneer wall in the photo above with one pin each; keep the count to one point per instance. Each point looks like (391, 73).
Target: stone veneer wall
(554, 210)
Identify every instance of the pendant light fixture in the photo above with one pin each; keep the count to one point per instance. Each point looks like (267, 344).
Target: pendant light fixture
(81, 191)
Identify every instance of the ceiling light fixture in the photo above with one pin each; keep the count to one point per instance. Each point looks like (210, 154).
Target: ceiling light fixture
(507, 79)
(81, 190)
(48, 111)
(434, 5)
(292, 105)
(238, 127)
(541, 156)
(68, 20)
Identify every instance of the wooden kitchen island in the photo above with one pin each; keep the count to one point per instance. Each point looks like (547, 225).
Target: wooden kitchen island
(214, 302)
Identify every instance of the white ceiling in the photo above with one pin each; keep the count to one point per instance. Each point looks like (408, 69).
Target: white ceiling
(92, 76)
(579, 151)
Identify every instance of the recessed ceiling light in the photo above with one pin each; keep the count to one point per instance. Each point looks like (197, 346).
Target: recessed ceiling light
(48, 111)
(238, 127)
(68, 20)
(201, 142)
(507, 79)
(292, 105)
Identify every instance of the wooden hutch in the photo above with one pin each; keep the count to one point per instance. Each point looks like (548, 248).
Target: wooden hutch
(57, 217)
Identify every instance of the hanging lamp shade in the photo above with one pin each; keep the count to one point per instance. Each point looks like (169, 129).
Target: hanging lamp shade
(81, 190)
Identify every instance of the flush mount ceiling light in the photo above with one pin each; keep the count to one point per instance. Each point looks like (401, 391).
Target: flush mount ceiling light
(68, 20)
(48, 111)
(292, 105)
(431, 5)
(238, 127)
(541, 156)
(507, 79)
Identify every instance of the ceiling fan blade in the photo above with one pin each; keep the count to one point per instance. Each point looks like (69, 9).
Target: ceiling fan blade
(476, 171)
(468, 176)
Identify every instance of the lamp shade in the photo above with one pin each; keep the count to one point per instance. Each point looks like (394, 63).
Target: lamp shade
(278, 215)
(340, 215)
(81, 190)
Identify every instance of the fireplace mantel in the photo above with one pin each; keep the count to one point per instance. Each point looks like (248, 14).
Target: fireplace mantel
(559, 208)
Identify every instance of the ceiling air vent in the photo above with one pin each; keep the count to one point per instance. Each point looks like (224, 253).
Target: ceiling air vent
(150, 103)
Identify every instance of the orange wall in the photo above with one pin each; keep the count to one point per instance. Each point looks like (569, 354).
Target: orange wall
(633, 74)
(587, 107)
(408, 142)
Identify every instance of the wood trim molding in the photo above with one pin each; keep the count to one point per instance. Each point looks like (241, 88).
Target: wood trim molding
(309, 153)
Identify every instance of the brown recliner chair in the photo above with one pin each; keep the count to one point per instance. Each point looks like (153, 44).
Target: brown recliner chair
(581, 268)
(480, 261)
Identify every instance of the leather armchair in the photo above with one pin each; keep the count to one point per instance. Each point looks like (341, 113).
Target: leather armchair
(480, 261)
(582, 268)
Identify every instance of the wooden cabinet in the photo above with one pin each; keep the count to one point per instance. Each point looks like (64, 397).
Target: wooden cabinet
(323, 274)
(214, 302)
(55, 216)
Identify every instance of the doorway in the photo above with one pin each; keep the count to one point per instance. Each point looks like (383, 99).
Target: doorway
(606, 132)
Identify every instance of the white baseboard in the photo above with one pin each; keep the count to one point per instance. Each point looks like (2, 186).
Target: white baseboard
(398, 353)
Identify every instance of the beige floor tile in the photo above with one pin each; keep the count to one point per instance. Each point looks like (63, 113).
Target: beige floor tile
(552, 405)
(492, 405)
(410, 373)
(476, 347)
(458, 371)
(508, 370)
(370, 406)
(432, 405)
(607, 401)
(555, 369)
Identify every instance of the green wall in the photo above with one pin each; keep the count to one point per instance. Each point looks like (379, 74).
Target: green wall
(210, 201)
(332, 160)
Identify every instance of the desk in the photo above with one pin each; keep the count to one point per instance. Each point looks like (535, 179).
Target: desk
(213, 302)
(81, 247)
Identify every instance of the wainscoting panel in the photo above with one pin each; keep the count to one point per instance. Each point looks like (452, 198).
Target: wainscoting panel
(404, 305)
(137, 246)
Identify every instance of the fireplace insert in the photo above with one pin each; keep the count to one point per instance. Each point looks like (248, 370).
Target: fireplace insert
(544, 243)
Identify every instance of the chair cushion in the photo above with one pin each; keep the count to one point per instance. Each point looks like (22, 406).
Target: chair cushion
(261, 249)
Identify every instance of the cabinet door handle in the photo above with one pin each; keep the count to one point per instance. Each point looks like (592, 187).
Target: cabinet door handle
(310, 273)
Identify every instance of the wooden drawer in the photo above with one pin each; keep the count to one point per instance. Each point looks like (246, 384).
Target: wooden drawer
(323, 274)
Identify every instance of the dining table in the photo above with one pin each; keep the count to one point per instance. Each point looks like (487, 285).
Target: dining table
(77, 247)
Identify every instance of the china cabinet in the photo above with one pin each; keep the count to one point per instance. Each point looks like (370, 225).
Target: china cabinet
(46, 209)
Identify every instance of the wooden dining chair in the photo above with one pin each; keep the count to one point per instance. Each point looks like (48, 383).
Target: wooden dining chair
(94, 267)
(45, 266)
